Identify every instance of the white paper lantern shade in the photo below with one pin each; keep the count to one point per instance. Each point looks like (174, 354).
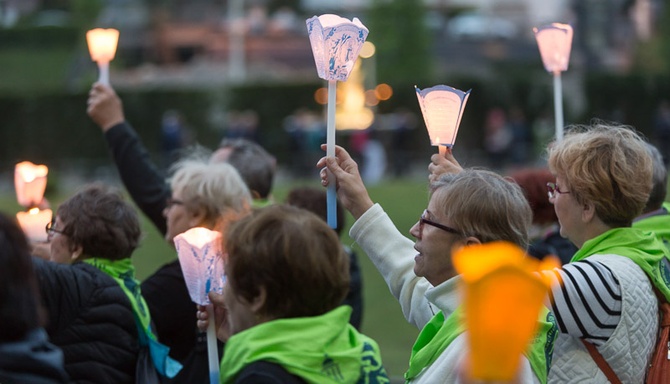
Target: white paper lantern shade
(336, 42)
(201, 259)
(442, 107)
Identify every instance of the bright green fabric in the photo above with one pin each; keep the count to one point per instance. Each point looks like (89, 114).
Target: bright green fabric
(438, 334)
(641, 247)
(320, 349)
(123, 272)
(261, 203)
(658, 223)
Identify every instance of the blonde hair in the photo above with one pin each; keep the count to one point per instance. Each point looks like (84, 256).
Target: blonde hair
(605, 164)
(216, 188)
(485, 205)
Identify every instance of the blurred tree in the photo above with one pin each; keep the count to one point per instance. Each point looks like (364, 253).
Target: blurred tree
(398, 30)
(653, 56)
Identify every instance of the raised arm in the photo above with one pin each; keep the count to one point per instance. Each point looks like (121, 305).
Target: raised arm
(144, 182)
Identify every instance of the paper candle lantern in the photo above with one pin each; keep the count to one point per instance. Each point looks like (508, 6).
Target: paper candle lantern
(30, 181)
(335, 42)
(201, 260)
(102, 47)
(34, 223)
(503, 295)
(555, 42)
(442, 107)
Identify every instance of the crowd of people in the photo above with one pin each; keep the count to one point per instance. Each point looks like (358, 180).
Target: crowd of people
(291, 310)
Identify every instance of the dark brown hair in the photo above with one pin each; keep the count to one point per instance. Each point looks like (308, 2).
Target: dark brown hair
(294, 255)
(19, 298)
(98, 219)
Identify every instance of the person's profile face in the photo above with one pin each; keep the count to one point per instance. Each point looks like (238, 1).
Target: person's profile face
(239, 312)
(59, 251)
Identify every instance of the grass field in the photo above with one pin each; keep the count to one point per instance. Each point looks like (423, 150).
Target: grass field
(382, 317)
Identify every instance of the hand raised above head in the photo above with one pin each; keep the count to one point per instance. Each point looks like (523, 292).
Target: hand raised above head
(104, 107)
(441, 164)
(349, 185)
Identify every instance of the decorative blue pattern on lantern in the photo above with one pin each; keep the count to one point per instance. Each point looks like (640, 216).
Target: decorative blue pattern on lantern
(201, 259)
(336, 42)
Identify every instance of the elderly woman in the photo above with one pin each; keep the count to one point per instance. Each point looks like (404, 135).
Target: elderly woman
(606, 295)
(280, 311)
(471, 207)
(209, 195)
(96, 312)
(26, 356)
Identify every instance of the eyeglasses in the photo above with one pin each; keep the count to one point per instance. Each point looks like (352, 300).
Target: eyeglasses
(423, 221)
(552, 190)
(50, 229)
(170, 202)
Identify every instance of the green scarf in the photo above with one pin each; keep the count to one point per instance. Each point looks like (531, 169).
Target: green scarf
(123, 272)
(438, 334)
(641, 247)
(658, 223)
(319, 349)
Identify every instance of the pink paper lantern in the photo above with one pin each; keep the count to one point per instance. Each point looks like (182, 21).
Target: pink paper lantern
(30, 181)
(34, 222)
(102, 44)
(442, 107)
(555, 42)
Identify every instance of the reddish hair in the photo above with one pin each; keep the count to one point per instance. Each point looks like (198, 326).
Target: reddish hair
(533, 182)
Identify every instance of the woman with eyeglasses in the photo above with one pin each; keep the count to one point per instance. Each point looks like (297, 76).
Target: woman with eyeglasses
(604, 300)
(96, 312)
(467, 208)
(605, 297)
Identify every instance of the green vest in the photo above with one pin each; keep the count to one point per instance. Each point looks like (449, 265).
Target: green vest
(641, 247)
(320, 349)
(436, 336)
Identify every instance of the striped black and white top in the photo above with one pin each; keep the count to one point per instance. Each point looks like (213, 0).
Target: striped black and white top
(586, 300)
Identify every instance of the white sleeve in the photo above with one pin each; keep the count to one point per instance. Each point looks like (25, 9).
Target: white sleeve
(393, 255)
(586, 299)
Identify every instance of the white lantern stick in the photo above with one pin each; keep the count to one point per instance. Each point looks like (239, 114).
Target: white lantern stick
(555, 42)
(30, 181)
(102, 45)
(336, 42)
(34, 223)
(201, 259)
(442, 107)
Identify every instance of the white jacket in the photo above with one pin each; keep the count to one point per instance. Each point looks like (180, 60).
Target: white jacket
(393, 255)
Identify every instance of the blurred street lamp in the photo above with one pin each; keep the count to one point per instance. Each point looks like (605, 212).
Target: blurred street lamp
(336, 43)
(442, 107)
(555, 42)
(102, 45)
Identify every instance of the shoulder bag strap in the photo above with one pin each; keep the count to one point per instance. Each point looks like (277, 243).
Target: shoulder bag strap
(600, 361)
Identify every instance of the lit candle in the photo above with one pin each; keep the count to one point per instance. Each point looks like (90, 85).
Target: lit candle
(201, 259)
(34, 223)
(442, 108)
(30, 181)
(102, 47)
(336, 43)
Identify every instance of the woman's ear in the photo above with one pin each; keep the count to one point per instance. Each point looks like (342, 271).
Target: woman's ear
(258, 302)
(76, 253)
(471, 240)
(197, 217)
(588, 212)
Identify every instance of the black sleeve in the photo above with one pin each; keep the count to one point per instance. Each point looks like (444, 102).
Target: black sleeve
(145, 183)
(263, 372)
(60, 293)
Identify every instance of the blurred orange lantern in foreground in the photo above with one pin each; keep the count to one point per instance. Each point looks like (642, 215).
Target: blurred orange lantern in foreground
(30, 181)
(102, 47)
(503, 295)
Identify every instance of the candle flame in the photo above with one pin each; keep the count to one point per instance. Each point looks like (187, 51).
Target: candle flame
(34, 211)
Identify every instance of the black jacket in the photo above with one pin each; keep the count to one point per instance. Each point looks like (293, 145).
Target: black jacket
(91, 319)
